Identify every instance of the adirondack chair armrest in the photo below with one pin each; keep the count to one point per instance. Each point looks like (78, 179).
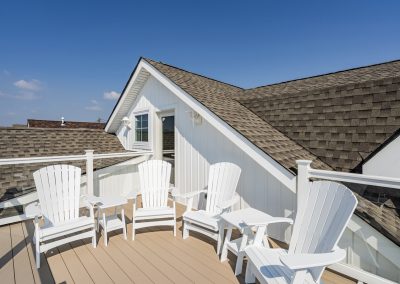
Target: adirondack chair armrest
(174, 192)
(304, 261)
(191, 194)
(271, 221)
(132, 195)
(33, 210)
(229, 203)
(89, 201)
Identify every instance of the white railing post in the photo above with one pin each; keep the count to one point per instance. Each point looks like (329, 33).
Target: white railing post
(303, 184)
(89, 171)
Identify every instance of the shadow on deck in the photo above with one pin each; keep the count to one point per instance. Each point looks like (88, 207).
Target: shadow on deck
(154, 257)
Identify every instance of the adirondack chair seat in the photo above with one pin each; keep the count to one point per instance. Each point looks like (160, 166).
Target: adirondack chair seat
(152, 212)
(68, 227)
(154, 187)
(202, 218)
(59, 188)
(269, 267)
(223, 179)
(320, 222)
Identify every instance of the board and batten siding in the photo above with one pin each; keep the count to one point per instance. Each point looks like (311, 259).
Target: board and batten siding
(198, 145)
(386, 162)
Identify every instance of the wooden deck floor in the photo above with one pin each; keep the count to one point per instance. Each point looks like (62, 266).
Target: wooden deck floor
(154, 257)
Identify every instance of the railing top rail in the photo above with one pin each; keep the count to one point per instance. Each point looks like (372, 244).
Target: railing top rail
(33, 160)
(355, 178)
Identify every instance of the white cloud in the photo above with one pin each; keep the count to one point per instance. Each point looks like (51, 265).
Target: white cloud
(31, 85)
(111, 95)
(95, 106)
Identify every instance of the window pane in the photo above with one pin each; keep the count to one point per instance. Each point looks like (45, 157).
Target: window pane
(141, 128)
(138, 136)
(138, 123)
(145, 136)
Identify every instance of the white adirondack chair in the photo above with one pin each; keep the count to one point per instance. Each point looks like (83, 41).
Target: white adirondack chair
(313, 245)
(58, 189)
(154, 187)
(221, 196)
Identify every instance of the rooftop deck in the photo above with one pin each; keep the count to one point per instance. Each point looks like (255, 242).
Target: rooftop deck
(154, 257)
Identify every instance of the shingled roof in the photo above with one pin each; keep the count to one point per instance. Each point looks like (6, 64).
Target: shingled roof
(219, 98)
(340, 117)
(67, 124)
(39, 142)
(336, 120)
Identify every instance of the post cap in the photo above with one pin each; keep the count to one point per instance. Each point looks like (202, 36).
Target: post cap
(303, 162)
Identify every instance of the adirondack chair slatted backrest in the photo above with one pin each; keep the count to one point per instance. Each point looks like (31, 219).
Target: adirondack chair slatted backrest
(327, 211)
(58, 189)
(154, 183)
(222, 182)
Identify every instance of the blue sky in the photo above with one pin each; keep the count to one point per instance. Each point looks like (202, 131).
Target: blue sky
(71, 58)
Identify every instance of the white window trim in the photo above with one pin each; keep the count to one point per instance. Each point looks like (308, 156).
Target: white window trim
(142, 145)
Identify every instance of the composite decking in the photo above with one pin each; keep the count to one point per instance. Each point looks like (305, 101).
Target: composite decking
(154, 257)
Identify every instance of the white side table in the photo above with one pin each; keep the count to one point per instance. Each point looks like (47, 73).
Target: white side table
(244, 220)
(109, 222)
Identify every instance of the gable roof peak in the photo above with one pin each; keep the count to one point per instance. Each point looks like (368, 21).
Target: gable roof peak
(154, 62)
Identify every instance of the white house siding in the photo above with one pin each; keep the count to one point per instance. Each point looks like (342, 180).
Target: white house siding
(371, 251)
(199, 145)
(386, 162)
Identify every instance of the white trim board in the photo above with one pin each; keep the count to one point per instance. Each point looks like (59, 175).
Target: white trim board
(264, 160)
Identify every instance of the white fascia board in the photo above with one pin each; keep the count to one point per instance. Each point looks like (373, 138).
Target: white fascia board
(123, 96)
(272, 166)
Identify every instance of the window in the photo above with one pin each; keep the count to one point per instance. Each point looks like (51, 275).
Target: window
(142, 128)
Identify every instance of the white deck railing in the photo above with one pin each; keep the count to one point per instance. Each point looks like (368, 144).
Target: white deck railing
(89, 157)
(305, 173)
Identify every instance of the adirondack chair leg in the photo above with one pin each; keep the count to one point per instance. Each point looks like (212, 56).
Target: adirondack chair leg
(94, 241)
(219, 240)
(185, 231)
(123, 222)
(105, 229)
(249, 278)
(37, 243)
(133, 220)
(224, 253)
(174, 219)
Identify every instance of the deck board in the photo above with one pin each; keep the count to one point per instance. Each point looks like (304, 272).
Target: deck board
(43, 275)
(75, 267)
(93, 267)
(156, 256)
(22, 266)
(6, 257)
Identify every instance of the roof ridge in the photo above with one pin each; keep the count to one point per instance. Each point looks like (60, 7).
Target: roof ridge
(65, 120)
(193, 73)
(50, 128)
(325, 74)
